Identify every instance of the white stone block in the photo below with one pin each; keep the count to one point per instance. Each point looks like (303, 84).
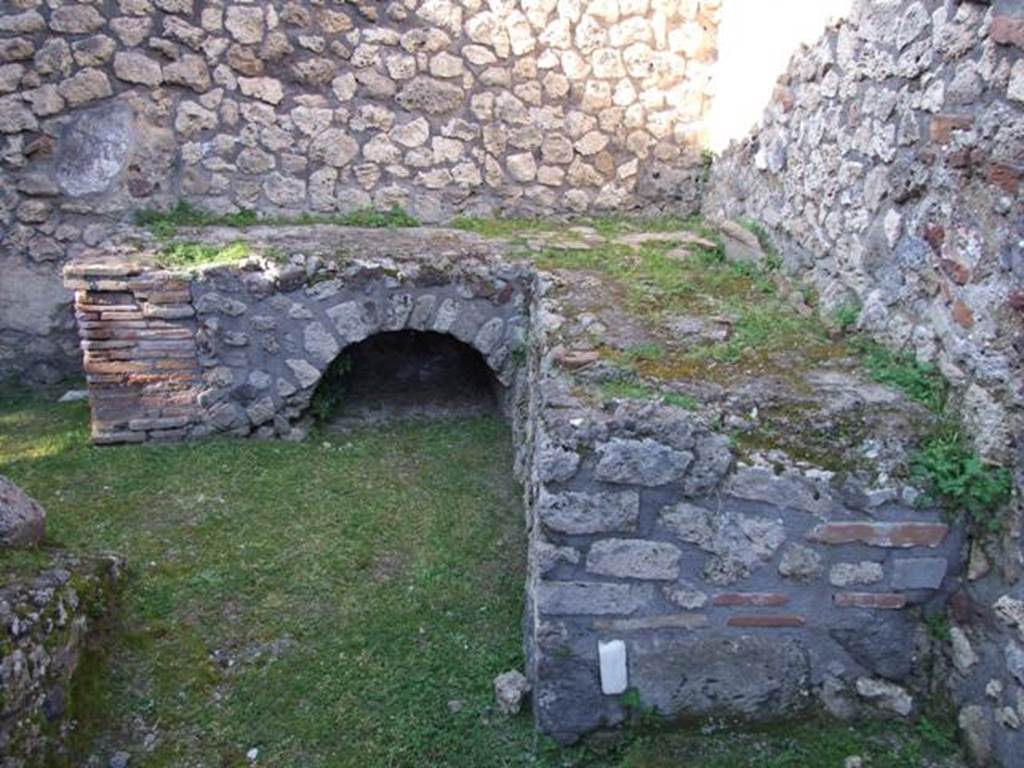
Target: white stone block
(614, 678)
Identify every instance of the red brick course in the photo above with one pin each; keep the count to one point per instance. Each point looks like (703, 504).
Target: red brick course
(891, 535)
(139, 348)
(889, 601)
(767, 621)
(756, 599)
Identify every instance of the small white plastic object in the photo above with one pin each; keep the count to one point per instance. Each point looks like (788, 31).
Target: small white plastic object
(614, 678)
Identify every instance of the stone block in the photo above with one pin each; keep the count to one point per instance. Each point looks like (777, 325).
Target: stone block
(881, 643)
(786, 491)
(22, 519)
(94, 149)
(849, 574)
(558, 598)
(641, 462)
(704, 674)
(588, 513)
(633, 559)
(886, 695)
(919, 572)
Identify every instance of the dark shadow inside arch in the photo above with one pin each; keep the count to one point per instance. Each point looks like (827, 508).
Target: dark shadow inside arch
(402, 375)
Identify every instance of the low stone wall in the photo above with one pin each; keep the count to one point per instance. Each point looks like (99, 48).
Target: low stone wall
(531, 106)
(757, 588)
(46, 623)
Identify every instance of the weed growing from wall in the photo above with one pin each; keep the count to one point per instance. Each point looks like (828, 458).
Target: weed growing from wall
(919, 381)
(960, 482)
(846, 315)
(946, 465)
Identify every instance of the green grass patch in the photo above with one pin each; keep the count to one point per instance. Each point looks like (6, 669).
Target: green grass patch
(370, 218)
(606, 226)
(635, 390)
(185, 214)
(165, 224)
(640, 352)
(500, 226)
(958, 480)
(653, 282)
(191, 254)
(321, 602)
(846, 315)
(761, 327)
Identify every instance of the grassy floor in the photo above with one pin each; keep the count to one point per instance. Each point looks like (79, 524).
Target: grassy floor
(320, 602)
(324, 602)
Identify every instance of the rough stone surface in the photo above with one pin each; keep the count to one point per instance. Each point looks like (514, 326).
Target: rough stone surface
(750, 677)
(510, 691)
(48, 619)
(94, 150)
(850, 574)
(919, 573)
(628, 558)
(590, 513)
(22, 519)
(645, 462)
(886, 174)
(872, 169)
(886, 695)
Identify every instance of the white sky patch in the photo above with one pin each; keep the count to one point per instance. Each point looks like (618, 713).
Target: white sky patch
(756, 40)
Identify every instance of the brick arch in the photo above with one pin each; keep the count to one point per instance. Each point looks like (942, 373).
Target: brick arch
(240, 349)
(292, 335)
(486, 327)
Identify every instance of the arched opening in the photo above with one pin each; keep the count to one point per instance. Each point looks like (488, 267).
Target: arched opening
(400, 375)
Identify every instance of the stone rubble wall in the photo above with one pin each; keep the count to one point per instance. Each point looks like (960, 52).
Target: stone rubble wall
(887, 171)
(441, 107)
(240, 349)
(45, 626)
(748, 589)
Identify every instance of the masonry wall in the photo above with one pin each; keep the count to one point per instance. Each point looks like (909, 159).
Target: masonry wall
(756, 588)
(526, 106)
(887, 170)
(46, 625)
